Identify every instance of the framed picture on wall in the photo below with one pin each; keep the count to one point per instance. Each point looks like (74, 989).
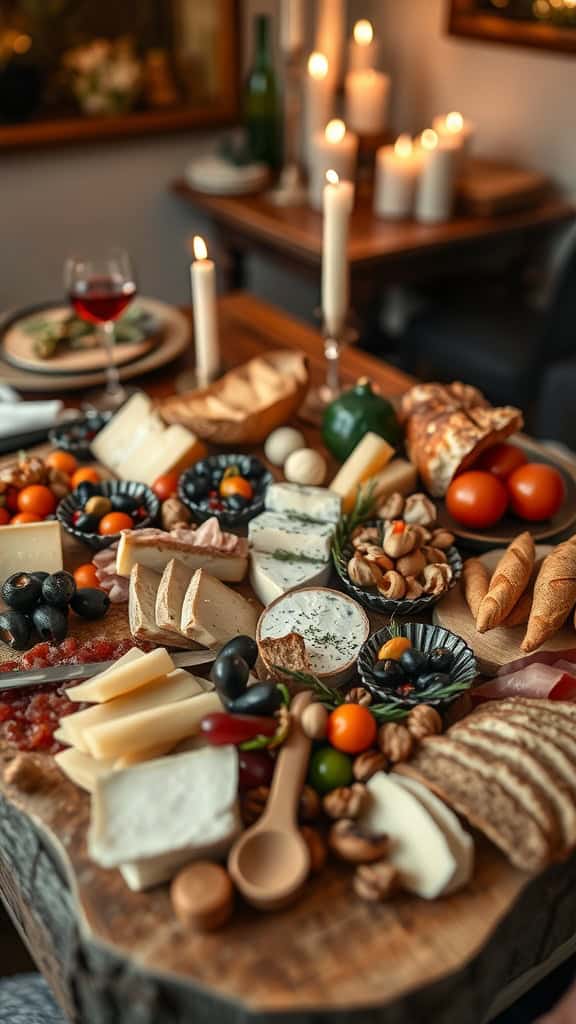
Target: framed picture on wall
(547, 24)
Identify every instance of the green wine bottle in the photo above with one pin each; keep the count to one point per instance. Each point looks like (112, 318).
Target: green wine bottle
(262, 100)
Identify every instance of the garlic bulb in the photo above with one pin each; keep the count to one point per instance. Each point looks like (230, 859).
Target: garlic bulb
(305, 466)
(281, 443)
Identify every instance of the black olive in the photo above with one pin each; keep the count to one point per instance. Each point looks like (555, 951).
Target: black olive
(86, 490)
(236, 503)
(202, 469)
(440, 659)
(195, 490)
(40, 576)
(124, 503)
(51, 623)
(22, 591)
(244, 646)
(393, 671)
(413, 662)
(90, 603)
(260, 699)
(230, 675)
(86, 523)
(256, 468)
(427, 680)
(15, 630)
(59, 589)
(384, 677)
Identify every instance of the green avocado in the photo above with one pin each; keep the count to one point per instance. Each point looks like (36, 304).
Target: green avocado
(353, 414)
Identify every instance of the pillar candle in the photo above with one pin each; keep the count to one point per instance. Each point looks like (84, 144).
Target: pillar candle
(318, 101)
(397, 170)
(291, 25)
(435, 191)
(334, 148)
(205, 319)
(367, 101)
(455, 130)
(330, 22)
(363, 48)
(335, 272)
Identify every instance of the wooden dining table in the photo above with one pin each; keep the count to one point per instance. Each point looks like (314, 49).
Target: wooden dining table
(113, 956)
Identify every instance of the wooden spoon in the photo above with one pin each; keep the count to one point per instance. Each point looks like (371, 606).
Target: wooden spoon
(270, 861)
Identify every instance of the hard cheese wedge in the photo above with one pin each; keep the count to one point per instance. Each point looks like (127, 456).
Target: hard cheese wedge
(316, 503)
(124, 678)
(287, 536)
(172, 588)
(271, 577)
(31, 547)
(142, 600)
(168, 723)
(156, 552)
(400, 477)
(212, 613)
(157, 816)
(82, 769)
(370, 456)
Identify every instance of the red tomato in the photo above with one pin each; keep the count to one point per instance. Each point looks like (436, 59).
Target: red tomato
(87, 473)
(85, 576)
(12, 499)
(536, 491)
(351, 728)
(231, 485)
(24, 517)
(37, 499)
(4, 516)
(501, 460)
(477, 499)
(64, 462)
(114, 522)
(165, 486)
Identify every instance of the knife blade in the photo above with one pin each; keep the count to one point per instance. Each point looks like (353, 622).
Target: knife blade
(68, 673)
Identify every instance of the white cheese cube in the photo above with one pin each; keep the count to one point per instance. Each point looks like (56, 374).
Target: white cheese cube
(275, 534)
(270, 577)
(31, 547)
(316, 503)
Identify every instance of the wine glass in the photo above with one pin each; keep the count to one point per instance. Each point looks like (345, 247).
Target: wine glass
(100, 288)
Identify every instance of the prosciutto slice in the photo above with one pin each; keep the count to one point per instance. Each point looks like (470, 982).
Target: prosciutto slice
(117, 587)
(543, 682)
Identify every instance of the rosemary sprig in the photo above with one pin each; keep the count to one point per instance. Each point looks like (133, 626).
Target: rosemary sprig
(364, 506)
(325, 694)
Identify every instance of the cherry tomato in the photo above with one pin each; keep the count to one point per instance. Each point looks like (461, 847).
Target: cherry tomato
(86, 576)
(501, 460)
(166, 486)
(536, 491)
(37, 499)
(4, 516)
(88, 474)
(351, 728)
(114, 522)
(329, 769)
(24, 517)
(64, 462)
(231, 485)
(477, 499)
(12, 499)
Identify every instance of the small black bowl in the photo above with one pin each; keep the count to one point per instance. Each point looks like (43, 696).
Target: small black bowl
(422, 637)
(208, 468)
(76, 436)
(71, 504)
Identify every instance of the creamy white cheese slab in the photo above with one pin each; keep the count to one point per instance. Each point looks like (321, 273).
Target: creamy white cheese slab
(271, 577)
(275, 534)
(311, 503)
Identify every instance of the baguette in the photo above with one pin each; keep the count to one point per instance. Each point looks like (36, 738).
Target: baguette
(554, 595)
(508, 583)
(475, 581)
(521, 611)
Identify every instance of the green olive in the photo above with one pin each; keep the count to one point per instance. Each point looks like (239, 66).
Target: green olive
(98, 506)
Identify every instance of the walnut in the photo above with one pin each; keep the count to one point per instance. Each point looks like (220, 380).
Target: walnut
(411, 565)
(365, 535)
(174, 513)
(345, 801)
(376, 882)
(253, 804)
(309, 806)
(59, 483)
(316, 847)
(420, 509)
(392, 507)
(395, 742)
(423, 721)
(359, 572)
(349, 842)
(442, 539)
(392, 586)
(367, 764)
(434, 556)
(414, 589)
(314, 721)
(399, 539)
(358, 695)
(437, 579)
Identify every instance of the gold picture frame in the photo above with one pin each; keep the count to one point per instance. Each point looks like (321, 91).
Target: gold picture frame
(473, 19)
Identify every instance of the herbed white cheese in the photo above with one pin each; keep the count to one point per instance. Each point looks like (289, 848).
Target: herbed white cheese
(306, 502)
(271, 577)
(286, 536)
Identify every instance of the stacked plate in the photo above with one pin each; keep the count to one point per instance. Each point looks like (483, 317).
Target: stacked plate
(213, 175)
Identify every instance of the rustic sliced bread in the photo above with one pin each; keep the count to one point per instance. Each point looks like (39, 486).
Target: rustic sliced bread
(484, 803)
(284, 652)
(142, 595)
(544, 706)
(555, 720)
(552, 730)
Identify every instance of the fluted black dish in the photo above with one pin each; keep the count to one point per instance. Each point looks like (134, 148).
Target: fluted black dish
(76, 436)
(226, 517)
(107, 488)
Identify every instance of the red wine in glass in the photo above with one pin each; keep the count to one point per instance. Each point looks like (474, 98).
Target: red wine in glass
(101, 299)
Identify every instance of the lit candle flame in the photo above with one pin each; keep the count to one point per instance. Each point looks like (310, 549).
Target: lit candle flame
(403, 146)
(335, 131)
(429, 139)
(332, 177)
(199, 248)
(363, 32)
(454, 122)
(317, 65)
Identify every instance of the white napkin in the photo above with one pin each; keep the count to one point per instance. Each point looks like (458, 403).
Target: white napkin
(18, 417)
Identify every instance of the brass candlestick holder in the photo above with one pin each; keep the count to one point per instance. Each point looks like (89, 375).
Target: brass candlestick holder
(290, 190)
(334, 341)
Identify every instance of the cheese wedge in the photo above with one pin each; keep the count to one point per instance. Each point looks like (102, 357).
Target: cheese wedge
(271, 577)
(157, 552)
(142, 600)
(369, 457)
(137, 756)
(212, 613)
(313, 503)
(124, 678)
(31, 547)
(81, 769)
(172, 588)
(399, 477)
(168, 723)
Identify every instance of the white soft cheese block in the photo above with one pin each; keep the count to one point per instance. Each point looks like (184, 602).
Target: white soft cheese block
(156, 554)
(31, 547)
(459, 841)
(271, 577)
(164, 813)
(168, 723)
(316, 503)
(124, 678)
(177, 685)
(81, 769)
(418, 846)
(370, 456)
(272, 533)
(212, 613)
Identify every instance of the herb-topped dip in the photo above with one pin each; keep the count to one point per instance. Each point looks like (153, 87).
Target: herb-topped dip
(333, 626)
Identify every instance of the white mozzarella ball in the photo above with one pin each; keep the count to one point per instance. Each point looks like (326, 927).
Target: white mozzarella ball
(305, 466)
(281, 443)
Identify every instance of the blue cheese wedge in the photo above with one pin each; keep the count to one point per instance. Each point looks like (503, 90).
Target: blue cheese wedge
(284, 536)
(333, 626)
(270, 577)
(315, 503)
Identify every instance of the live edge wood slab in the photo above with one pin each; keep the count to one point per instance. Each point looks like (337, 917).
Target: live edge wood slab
(117, 957)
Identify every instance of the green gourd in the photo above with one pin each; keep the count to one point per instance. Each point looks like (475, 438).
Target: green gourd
(350, 416)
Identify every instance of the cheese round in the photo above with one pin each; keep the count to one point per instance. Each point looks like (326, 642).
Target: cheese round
(305, 466)
(281, 443)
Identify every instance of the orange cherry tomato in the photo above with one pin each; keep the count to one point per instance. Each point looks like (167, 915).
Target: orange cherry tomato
(236, 485)
(166, 486)
(501, 460)
(64, 462)
(24, 517)
(88, 474)
(85, 576)
(351, 728)
(477, 499)
(38, 500)
(114, 522)
(4, 516)
(536, 491)
(12, 499)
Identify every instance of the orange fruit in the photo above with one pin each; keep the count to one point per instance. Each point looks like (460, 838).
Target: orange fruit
(166, 486)
(37, 499)
(114, 522)
(64, 462)
(351, 728)
(87, 473)
(4, 516)
(231, 485)
(86, 576)
(24, 517)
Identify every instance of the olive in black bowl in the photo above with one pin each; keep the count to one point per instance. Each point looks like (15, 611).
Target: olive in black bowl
(22, 591)
(229, 487)
(84, 527)
(76, 436)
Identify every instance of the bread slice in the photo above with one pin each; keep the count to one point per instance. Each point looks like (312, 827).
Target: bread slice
(143, 591)
(284, 652)
(552, 717)
(544, 706)
(172, 588)
(554, 730)
(212, 613)
(484, 803)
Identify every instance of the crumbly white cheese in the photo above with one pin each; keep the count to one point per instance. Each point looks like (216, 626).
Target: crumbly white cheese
(284, 536)
(271, 577)
(315, 503)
